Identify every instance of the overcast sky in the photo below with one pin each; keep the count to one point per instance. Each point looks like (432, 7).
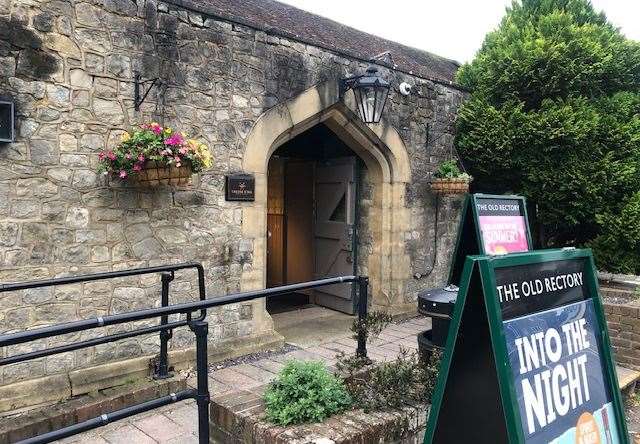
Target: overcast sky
(450, 28)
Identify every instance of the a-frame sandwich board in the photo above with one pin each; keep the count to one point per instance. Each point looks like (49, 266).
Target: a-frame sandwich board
(528, 357)
(490, 224)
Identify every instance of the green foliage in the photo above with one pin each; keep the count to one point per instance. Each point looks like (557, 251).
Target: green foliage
(554, 114)
(388, 385)
(449, 170)
(305, 392)
(430, 375)
(371, 325)
(619, 243)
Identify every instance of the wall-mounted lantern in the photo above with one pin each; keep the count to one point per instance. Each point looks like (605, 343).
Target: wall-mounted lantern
(371, 92)
(7, 120)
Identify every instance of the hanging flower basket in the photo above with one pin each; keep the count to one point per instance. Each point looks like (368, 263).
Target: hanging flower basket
(450, 186)
(154, 174)
(153, 156)
(448, 179)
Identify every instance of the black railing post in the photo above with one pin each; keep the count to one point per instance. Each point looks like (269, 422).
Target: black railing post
(363, 301)
(162, 368)
(198, 325)
(201, 328)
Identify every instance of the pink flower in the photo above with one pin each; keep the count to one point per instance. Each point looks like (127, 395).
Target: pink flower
(183, 150)
(101, 155)
(137, 167)
(175, 139)
(141, 158)
(157, 129)
(128, 156)
(177, 158)
(123, 174)
(111, 155)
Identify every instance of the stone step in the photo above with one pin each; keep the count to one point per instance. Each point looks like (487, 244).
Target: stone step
(627, 379)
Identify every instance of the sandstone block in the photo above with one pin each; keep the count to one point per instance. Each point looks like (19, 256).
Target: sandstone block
(35, 391)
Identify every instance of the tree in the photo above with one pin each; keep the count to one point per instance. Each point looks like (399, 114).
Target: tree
(554, 114)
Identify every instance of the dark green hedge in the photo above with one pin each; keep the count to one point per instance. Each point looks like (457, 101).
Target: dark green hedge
(555, 115)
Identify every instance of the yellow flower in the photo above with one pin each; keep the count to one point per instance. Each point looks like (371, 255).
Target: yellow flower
(126, 136)
(202, 151)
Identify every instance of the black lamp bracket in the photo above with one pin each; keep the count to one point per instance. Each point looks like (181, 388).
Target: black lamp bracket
(347, 83)
(139, 83)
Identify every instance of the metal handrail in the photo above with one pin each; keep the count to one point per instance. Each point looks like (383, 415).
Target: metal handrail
(65, 280)
(166, 275)
(150, 313)
(198, 325)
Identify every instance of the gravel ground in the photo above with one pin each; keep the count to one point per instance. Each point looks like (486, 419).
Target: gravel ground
(247, 359)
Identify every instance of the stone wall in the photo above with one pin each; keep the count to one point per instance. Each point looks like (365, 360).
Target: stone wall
(69, 65)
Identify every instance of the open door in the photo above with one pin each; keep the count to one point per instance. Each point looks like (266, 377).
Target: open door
(334, 230)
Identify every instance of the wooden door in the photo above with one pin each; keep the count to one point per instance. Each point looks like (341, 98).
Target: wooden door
(299, 213)
(334, 237)
(276, 224)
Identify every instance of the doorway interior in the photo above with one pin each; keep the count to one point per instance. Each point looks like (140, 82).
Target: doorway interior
(312, 219)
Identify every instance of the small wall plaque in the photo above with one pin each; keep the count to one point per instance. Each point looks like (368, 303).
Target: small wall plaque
(240, 187)
(7, 120)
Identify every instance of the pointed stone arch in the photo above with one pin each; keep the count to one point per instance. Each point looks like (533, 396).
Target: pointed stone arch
(385, 156)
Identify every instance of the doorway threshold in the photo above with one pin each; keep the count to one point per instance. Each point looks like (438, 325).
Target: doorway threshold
(312, 325)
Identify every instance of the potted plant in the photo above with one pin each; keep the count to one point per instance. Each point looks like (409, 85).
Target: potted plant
(448, 179)
(153, 155)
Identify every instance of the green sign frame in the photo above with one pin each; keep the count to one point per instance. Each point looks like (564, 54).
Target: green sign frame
(469, 240)
(477, 322)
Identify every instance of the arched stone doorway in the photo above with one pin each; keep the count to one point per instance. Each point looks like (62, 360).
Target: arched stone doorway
(386, 160)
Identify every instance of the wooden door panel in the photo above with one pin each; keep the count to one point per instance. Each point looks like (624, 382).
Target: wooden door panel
(330, 230)
(275, 250)
(299, 213)
(329, 199)
(333, 230)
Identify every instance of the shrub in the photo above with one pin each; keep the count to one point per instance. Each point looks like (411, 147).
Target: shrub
(391, 384)
(554, 114)
(372, 325)
(305, 391)
(617, 249)
(431, 370)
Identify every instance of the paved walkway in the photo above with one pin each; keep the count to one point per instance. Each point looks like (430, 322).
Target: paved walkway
(178, 423)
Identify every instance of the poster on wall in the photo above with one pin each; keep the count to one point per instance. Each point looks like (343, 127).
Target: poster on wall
(502, 224)
(531, 326)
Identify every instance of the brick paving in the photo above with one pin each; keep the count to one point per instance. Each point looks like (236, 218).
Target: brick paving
(177, 423)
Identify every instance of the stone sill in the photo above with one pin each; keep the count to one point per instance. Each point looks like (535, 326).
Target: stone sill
(618, 280)
(238, 417)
